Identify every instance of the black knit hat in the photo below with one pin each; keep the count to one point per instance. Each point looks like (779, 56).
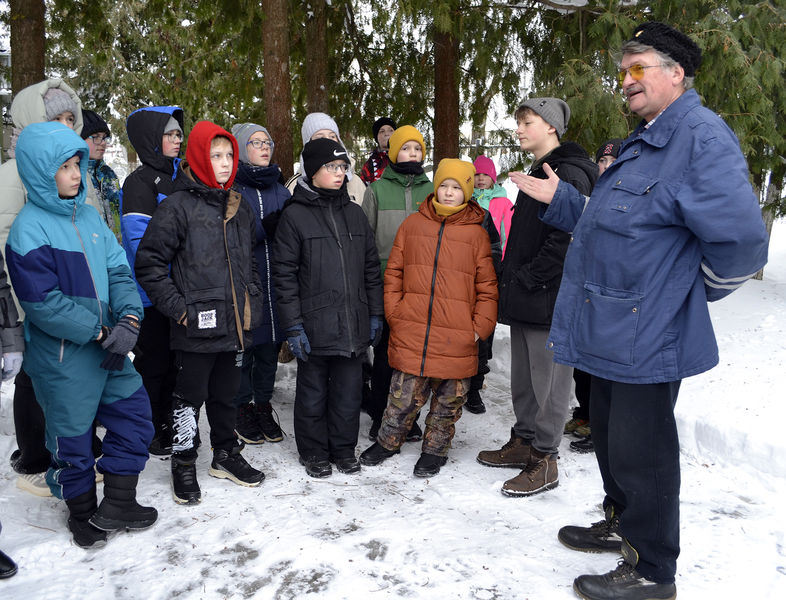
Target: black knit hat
(609, 148)
(321, 151)
(674, 44)
(92, 124)
(380, 123)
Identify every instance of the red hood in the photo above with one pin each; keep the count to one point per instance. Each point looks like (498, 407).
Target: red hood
(198, 153)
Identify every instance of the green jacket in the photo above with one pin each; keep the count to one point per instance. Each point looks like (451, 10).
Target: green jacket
(388, 201)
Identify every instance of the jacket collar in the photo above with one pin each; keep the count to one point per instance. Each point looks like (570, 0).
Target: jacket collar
(660, 133)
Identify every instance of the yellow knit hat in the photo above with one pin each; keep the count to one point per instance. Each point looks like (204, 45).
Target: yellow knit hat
(460, 170)
(401, 136)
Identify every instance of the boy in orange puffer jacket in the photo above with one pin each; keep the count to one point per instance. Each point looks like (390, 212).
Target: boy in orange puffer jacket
(440, 299)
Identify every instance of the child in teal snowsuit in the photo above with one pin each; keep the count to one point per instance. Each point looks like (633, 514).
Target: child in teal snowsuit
(82, 310)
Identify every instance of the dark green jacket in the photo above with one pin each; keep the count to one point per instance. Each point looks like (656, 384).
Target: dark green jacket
(390, 200)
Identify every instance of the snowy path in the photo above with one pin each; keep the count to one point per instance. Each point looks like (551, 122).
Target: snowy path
(385, 534)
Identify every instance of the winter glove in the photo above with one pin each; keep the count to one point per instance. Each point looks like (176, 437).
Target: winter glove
(113, 362)
(122, 338)
(298, 342)
(270, 224)
(12, 363)
(375, 330)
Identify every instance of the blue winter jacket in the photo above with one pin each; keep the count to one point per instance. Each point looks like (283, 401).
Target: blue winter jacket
(68, 271)
(671, 224)
(262, 189)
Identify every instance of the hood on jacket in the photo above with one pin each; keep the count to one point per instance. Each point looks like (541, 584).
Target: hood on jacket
(28, 105)
(198, 153)
(41, 150)
(145, 127)
(572, 154)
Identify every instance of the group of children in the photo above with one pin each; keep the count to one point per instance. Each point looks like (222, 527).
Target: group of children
(225, 265)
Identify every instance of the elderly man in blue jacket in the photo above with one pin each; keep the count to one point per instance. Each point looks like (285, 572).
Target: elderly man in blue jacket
(671, 225)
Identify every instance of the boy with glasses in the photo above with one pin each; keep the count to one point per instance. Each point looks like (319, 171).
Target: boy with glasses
(156, 133)
(326, 273)
(95, 132)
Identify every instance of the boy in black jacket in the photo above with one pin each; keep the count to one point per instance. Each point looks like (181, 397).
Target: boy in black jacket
(326, 271)
(156, 132)
(210, 294)
(531, 276)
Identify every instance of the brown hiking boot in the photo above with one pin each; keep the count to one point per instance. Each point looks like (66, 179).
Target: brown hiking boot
(515, 453)
(539, 475)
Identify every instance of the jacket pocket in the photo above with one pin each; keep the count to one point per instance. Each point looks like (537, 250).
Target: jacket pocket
(206, 311)
(534, 306)
(608, 322)
(253, 308)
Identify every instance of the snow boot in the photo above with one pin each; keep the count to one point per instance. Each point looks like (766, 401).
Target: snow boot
(575, 422)
(474, 403)
(415, 433)
(375, 454)
(316, 467)
(603, 536)
(185, 487)
(247, 425)
(119, 508)
(268, 423)
(515, 453)
(623, 583)
(8, 567)
(539, 475)
(429, 465)
(230, 464)
(346, 465)
(374, 431)
(583, 446)
(81, 509)
(161, 445)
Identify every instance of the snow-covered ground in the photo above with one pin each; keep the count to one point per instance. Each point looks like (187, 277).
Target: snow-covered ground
(385, 534)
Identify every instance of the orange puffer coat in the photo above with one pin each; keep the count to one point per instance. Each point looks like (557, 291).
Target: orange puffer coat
(440, 288)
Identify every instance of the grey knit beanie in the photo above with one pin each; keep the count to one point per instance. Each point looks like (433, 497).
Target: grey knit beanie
(316, 121)
(57, 101)
(172, 125)
(552, 110)
(242, 133)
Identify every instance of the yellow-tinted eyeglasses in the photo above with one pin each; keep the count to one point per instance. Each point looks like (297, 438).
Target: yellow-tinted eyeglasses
(636, 71)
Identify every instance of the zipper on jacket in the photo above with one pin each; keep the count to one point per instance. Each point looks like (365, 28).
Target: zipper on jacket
(62, 349)
(267, 271)
(343, 276)
(89, 270)
(431, 296)
(235, 309)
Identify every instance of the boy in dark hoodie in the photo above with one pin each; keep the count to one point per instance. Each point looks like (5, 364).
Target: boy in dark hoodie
(211, 296)
(156, 133)
(326, 272)
(531, 275)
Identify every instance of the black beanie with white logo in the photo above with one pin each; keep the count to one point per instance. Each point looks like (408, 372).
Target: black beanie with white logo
(321, 152)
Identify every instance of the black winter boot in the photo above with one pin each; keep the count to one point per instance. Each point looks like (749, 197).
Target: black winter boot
(230, 464)
(474, 403)
(375, 454)
(119, 508)
(429, 465)
(185, 487)
(81, 509)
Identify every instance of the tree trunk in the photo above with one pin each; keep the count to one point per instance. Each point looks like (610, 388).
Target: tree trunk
(768, 214)
(446, 97)
(27, 43)
(317, 58)
(278, 93)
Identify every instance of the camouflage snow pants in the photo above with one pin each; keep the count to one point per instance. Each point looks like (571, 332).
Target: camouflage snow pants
(408, 394)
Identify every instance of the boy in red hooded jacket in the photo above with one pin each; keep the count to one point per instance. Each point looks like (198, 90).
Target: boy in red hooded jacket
(196, 264)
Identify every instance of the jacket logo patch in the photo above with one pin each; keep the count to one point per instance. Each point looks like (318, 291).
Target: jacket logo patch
(206, 319)
(95, 237)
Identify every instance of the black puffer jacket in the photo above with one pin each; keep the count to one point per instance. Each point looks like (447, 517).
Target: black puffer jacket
(535, 252)
(213, 293)
(326, 271)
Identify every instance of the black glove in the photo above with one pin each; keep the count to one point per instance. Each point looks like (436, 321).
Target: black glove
(270, 224)
(122, 338)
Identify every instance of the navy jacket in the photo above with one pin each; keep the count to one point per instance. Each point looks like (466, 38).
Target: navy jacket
(671, 224)
(262, 188)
